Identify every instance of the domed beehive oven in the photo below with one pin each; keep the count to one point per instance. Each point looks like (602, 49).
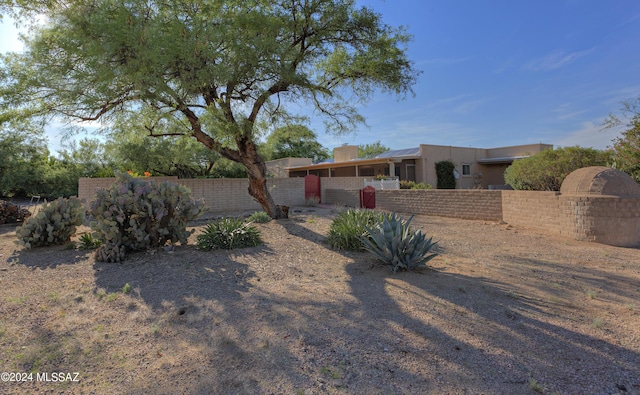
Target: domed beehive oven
(604, 204)
(598, 180)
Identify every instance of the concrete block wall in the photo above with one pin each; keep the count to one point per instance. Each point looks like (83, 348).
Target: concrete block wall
(454, 203)
(609, 220)
(219, 194)
(347, 183)
(343, 197)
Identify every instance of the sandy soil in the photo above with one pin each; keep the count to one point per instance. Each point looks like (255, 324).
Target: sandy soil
(501, 310)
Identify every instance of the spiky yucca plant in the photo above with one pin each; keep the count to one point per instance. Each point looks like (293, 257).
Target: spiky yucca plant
(397, 245)
(228, 233)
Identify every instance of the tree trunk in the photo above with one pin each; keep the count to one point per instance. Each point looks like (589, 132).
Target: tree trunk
(257, 173)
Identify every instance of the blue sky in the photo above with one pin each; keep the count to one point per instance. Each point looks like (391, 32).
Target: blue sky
(499, 73)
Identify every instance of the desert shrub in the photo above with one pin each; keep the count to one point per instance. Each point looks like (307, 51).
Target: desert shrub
(228, 233)
(397, 245)
(444, 174)
(11, 213)
(546, 170)
(349, 227)
(312, 201)
(54, 224)
(259, 217)
(404, 184)
(137, 214)
(88, 242)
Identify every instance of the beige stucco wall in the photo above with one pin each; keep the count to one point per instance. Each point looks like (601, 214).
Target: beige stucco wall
(219, 194)
(277, 168)
(491, 174)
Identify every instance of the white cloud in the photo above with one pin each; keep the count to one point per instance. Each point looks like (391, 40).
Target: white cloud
(554, 60)
(589, 135)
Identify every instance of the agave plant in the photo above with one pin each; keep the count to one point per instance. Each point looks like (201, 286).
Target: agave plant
(396, 244)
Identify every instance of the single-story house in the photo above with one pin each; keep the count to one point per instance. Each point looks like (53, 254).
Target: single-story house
(475, 167)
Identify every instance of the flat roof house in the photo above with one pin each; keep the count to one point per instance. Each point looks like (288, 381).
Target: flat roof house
(476, 167)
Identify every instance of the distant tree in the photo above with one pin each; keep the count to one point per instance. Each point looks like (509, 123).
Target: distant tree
(23, 161)
(546, 170)
(445, 176)
(295, 141)
(371, 150)
(216, 69)
(626, 149)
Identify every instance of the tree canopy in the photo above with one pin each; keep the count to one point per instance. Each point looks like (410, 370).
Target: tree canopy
(546, 170)
(626, 148)
(371, 150)
(210, 70)
(295, 141)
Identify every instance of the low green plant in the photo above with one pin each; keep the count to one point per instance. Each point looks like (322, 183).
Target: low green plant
(54, 224)
(88, 242)
(349, 228)
(126, 288)
(535, 386)
(404, 184)
(259, 217)
(228, 233)
(397, 245)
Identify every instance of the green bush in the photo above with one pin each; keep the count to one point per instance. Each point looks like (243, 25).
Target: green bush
(228, 233)
(397, 245)
(546, 170)
(349, 227)
(55, 223)
(138, 214)
(88, 242)
(404, 184)
(444, 173)
(259, 217)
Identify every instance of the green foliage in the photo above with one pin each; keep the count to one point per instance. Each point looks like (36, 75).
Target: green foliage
(11, 213)
(54, 224)
(209, 70)
(295, 141)
(444, 173)
(626, 148)
(404, 184)
(349, 227)
(88, 242)
(397, 245)
(546, 170)
(259, 217)
(371, 150)
(228, 234)
(137, 214)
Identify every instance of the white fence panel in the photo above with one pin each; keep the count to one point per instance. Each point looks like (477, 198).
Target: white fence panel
(383, 184)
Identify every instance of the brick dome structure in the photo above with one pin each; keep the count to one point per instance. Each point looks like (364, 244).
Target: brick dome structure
(599, 181)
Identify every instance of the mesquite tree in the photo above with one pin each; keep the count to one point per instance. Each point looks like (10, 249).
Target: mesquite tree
(211, 69)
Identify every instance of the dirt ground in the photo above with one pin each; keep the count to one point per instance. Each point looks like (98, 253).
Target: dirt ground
(501, 310)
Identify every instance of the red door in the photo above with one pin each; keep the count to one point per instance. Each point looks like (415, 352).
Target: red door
(368, 197)
(312, 187)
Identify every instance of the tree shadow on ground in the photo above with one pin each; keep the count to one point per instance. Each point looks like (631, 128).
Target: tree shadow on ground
(48, 257)
(499, 331)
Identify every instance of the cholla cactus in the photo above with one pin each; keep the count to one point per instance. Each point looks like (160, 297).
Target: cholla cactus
(55, 223)
(140, 214)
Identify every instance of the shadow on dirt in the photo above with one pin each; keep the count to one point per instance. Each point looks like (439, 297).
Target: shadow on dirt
(528, 348)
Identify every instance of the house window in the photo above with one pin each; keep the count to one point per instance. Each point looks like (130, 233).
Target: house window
(466, 170)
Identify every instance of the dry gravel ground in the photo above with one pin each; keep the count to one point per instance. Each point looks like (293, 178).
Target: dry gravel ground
(502, 310)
